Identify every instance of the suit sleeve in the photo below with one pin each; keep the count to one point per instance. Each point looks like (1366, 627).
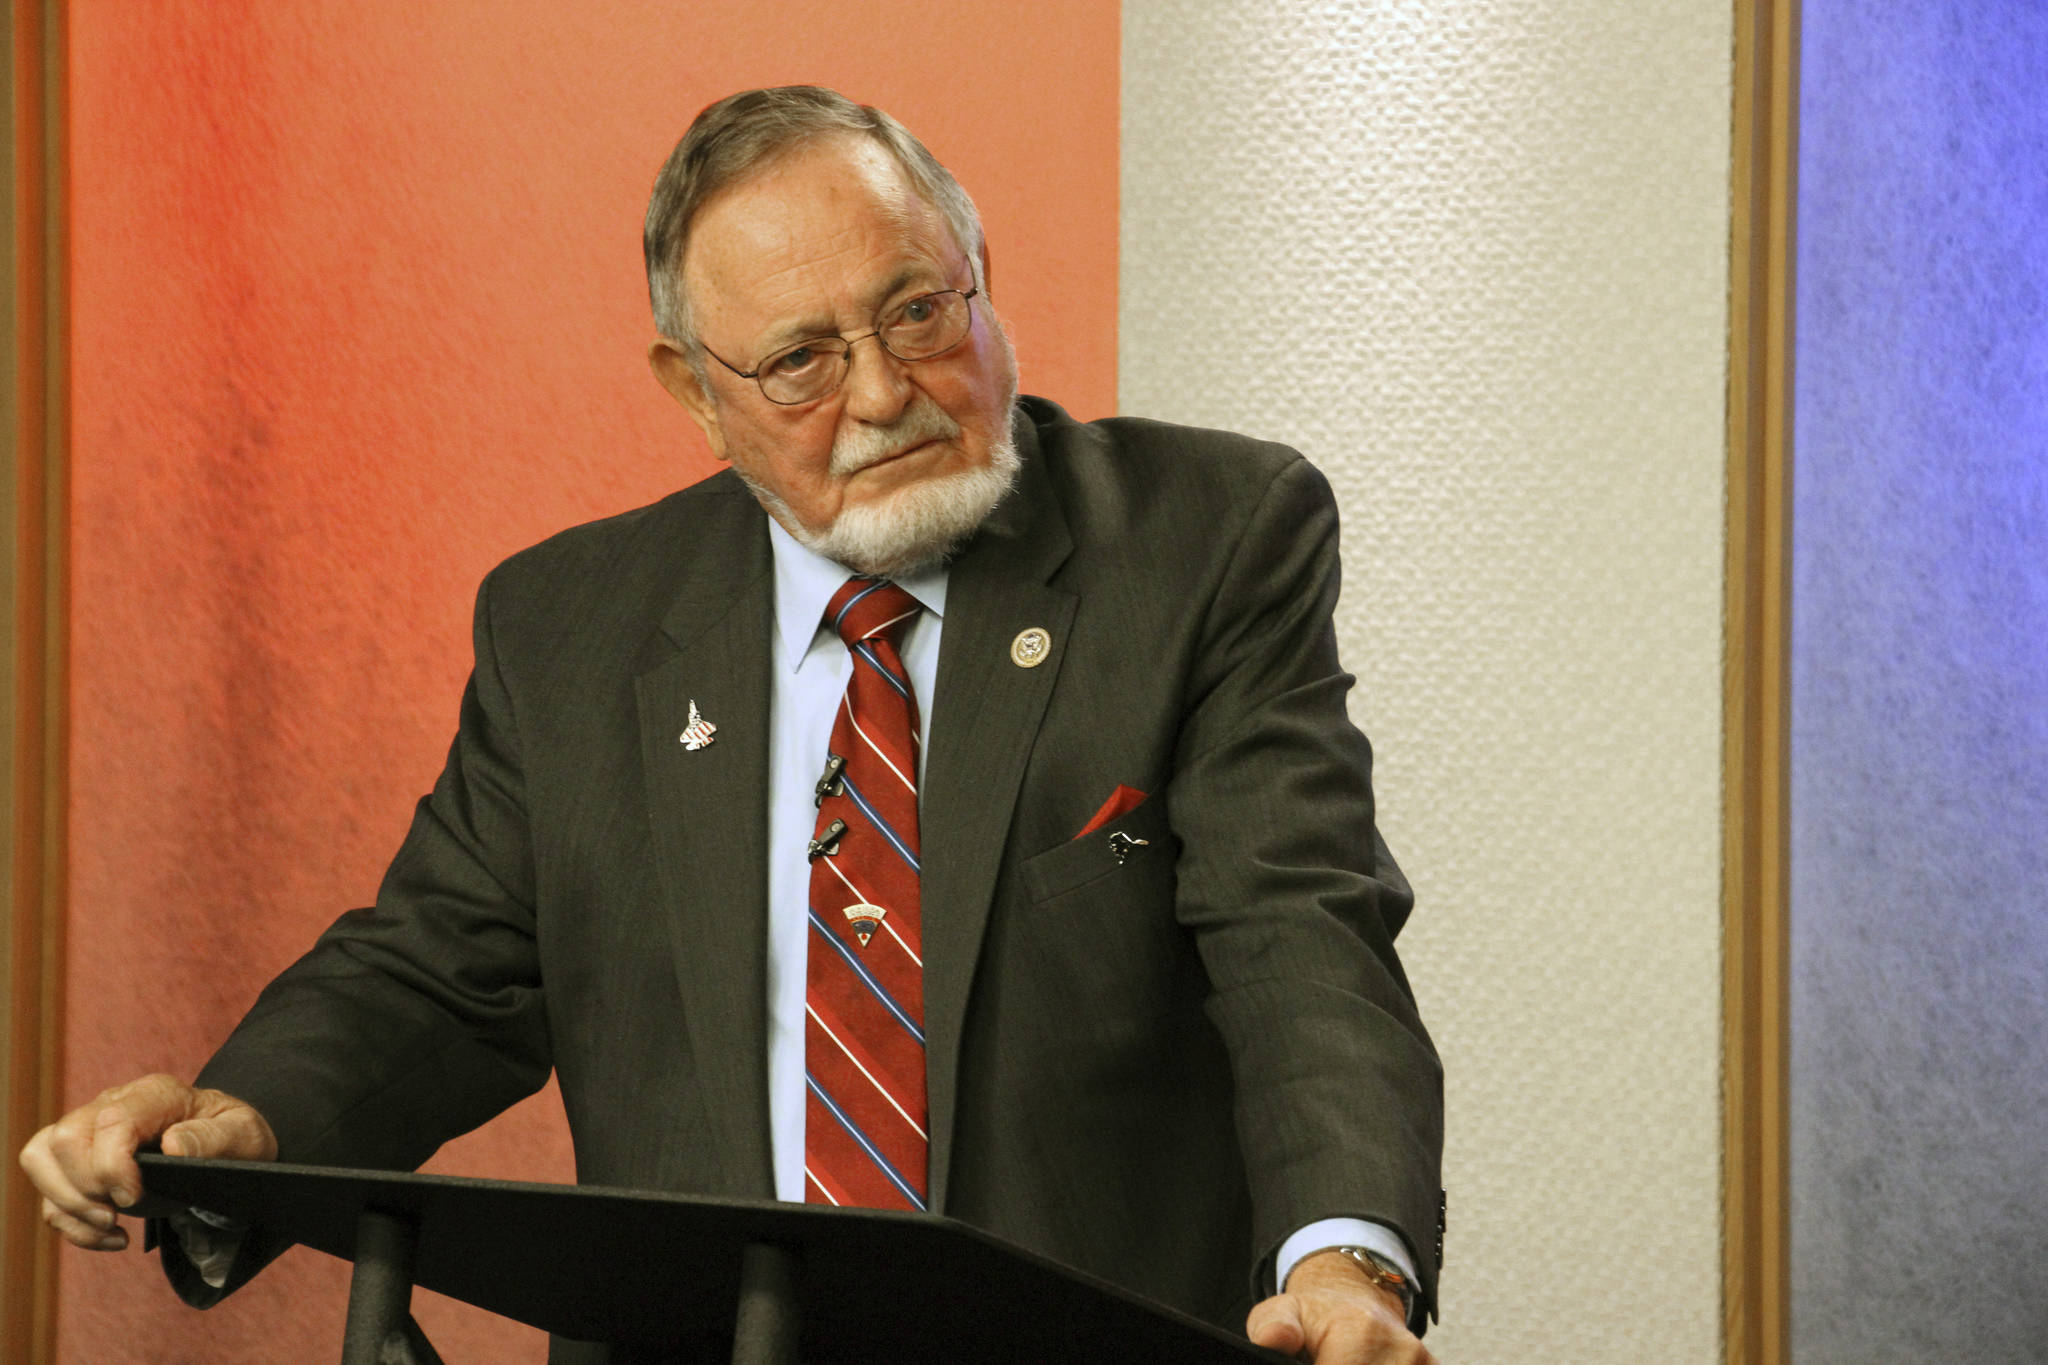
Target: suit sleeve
(1294, 901)
(418, 1018)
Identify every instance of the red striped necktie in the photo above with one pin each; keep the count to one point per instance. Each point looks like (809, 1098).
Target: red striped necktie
(864, 1113)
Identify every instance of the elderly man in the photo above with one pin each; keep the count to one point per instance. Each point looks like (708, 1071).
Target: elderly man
(953, 808)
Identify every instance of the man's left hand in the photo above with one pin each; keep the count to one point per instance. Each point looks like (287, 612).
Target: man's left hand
(1333, 1315)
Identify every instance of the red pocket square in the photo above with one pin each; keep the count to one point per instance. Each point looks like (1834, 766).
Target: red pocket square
(1121, 802)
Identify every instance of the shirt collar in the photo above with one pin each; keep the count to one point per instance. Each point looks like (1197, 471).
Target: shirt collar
(805, 581)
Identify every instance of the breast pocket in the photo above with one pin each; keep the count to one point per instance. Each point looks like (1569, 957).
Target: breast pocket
(1098, 938)
(1137, 849)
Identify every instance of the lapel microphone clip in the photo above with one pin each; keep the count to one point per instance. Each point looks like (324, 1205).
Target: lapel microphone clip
(830, 784)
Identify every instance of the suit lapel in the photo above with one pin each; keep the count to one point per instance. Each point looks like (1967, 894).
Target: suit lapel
(985, 718)
(708, 810)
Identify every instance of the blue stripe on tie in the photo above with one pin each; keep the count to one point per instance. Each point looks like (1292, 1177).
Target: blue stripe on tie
(861, 648)
(887, 1000)
(875, 818)
(875, 586)
(853, 1131)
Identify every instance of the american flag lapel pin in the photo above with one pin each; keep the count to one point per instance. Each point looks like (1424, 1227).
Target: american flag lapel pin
(697, 734)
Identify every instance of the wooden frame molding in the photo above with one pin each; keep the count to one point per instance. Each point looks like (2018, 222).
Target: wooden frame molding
(34, 738)
(1756, 1278)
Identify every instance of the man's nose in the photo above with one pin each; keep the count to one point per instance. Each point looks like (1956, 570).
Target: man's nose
(878, 388)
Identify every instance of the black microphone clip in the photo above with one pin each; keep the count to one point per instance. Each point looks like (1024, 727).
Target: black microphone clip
(827, 843)
(831, 783)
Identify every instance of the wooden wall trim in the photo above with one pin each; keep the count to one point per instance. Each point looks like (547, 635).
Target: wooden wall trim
(34, 741)
(1756, 1279)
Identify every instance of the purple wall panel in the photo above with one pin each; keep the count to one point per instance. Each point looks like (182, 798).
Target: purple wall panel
(1920, 685)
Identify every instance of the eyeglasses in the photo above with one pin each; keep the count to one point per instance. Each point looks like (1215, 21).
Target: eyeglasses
(923, 328)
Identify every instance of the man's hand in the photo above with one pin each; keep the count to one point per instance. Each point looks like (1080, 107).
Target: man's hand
(1333, 1315)
(84, 1163)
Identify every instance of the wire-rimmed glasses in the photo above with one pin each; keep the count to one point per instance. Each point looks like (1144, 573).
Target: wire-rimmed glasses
(921, 328)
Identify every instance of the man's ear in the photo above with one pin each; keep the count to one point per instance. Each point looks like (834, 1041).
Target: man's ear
(672, 367)
(987, 287)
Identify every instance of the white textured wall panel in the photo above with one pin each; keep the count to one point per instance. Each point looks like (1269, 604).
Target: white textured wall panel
(1471, 257)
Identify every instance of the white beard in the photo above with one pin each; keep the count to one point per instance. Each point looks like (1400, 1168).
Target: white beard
(920, 524)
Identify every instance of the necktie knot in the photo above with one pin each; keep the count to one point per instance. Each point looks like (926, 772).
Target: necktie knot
(870, 608)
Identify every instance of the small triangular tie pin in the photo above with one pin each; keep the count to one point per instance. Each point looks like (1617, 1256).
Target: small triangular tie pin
(865, 919)
(697, 734)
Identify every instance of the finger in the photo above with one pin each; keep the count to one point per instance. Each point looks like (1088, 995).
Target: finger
(83, 1234)
(233, 1131)
(125, 1117)
(113, 1172)
(67, 1144)
(199, 1138)
(1276, 1323)
(39, 1160)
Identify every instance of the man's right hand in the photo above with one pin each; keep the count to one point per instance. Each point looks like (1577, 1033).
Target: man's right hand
(84, 1163)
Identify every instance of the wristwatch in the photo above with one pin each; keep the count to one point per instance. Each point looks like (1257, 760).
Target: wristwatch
(1382, 1272)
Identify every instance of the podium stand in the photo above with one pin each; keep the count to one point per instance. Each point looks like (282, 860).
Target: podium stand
(668, 1277)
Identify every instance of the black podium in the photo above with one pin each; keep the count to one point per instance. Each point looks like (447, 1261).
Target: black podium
(667, 1277)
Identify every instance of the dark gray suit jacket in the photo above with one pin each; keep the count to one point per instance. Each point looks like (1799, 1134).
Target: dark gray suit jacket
(1154, 1071)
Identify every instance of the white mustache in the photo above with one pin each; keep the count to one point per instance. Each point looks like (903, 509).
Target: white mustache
(856, 448)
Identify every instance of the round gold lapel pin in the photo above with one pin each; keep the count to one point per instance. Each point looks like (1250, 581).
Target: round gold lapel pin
(1030, 648)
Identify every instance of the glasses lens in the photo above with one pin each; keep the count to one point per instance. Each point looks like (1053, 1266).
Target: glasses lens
(924, 326)
(804, 372)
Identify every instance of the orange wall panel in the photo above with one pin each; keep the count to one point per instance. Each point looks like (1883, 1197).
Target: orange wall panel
(358, 311)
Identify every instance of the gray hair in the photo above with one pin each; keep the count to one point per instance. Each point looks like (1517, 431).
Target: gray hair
(744, 132)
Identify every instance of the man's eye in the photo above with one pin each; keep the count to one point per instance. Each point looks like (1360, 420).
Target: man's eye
(918, 311)
(794, 361)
